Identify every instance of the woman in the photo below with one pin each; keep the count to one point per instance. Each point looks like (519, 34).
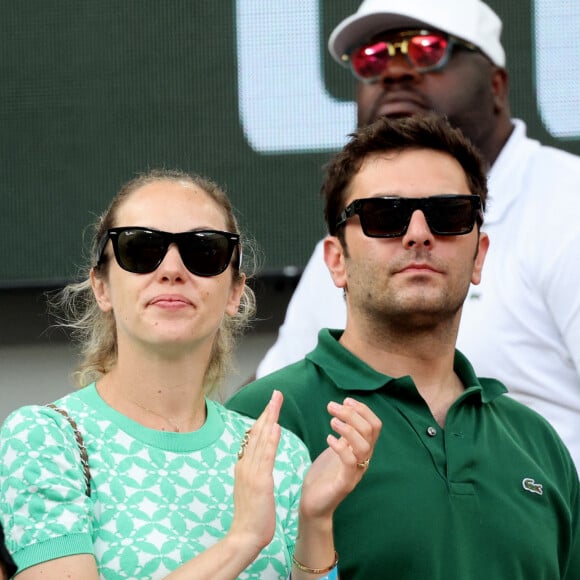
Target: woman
(176, 486)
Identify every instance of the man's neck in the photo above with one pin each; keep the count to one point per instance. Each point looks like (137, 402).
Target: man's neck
(493, 148)
(427, 358)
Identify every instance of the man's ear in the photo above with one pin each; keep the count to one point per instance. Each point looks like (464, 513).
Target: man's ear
(334, 256)
(101, 291)
(500, 89)
(482, 247)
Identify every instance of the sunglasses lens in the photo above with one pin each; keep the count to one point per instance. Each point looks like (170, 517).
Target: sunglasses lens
(370, 60)
(451, 216)
(205, 253)
(424, 51)
(140, 251)
(384, 218)
(427, 51)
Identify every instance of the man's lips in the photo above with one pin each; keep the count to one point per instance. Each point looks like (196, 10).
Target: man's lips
(400, 103)
(399, 108)
(418, 269)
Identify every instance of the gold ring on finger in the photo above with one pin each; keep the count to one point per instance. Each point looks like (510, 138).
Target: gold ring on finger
(364, 464)
(244, 444)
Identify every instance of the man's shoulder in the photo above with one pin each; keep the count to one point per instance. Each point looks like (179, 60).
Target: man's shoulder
(510, 407)
(555, 164)
(306, 395)
(541, 163)
(526, 423)
(548, 173)
(293, 381)
(541, 156)
(529, 430)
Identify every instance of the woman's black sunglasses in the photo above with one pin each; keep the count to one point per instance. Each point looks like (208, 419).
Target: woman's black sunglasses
(389, 217)
(141, 250)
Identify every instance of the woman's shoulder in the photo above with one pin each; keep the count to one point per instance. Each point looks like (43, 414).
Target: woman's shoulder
(41, 425)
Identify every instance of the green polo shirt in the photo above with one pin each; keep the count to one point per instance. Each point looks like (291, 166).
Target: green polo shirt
(493, 496)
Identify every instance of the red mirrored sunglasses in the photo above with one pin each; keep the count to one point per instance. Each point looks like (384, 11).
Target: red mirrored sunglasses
(424, 50)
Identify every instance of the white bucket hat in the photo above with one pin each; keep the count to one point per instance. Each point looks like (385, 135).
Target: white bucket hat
(471, 20)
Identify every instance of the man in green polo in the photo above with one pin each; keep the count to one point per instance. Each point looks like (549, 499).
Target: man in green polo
(464, 483)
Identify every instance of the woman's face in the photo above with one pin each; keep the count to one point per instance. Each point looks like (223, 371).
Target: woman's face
(170, 309)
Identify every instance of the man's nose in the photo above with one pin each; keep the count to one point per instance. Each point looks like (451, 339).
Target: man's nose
(418, 232)
(397, 69)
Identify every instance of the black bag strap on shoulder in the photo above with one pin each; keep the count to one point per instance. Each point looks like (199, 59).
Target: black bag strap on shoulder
(81, 445)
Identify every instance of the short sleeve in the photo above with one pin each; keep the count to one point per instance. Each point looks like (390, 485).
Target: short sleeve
(43, 503)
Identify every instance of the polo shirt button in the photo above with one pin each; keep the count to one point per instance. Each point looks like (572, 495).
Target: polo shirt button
(431, 431)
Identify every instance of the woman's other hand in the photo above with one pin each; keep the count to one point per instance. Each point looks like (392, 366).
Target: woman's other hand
(338, 469)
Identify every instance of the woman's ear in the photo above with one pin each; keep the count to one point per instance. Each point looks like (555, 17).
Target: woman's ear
(235, 296)
(101, 291)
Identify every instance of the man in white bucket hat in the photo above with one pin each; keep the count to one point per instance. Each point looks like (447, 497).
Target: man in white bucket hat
(522, 324)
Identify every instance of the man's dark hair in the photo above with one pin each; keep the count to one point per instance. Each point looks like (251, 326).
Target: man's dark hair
(387, 135)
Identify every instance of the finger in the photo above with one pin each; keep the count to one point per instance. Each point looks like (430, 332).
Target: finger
(349, 423)
(264, 435)
(358, 425)
(365, 412)
(359, 417)
(260, 453)
(354, 409)
(343, 450)
(340, 445)
(275, 405)
(351, 439)
(269, 415)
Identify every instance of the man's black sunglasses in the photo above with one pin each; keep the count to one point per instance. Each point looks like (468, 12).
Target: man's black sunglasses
(389, 217)
(141, 250)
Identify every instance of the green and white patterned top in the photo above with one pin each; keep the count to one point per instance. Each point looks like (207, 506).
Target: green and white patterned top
(157, 499)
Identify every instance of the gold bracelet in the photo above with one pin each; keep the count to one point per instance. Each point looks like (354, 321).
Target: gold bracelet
(304, 568)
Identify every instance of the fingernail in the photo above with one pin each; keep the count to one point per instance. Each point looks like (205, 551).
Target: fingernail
(334, 406)
(273, 397)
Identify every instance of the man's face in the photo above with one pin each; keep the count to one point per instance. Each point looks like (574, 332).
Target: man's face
(462, 90)
(417, 280)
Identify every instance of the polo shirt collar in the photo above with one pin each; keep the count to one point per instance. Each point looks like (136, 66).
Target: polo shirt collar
(347, 370)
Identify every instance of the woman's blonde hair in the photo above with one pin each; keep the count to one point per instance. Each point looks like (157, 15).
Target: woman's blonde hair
(76, 308)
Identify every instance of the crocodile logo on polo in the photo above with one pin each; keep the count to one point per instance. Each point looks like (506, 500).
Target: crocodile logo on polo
(530, 485)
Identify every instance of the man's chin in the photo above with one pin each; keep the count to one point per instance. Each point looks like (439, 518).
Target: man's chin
(394, 112)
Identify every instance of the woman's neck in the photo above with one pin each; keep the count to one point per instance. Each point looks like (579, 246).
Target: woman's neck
(157, 393)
